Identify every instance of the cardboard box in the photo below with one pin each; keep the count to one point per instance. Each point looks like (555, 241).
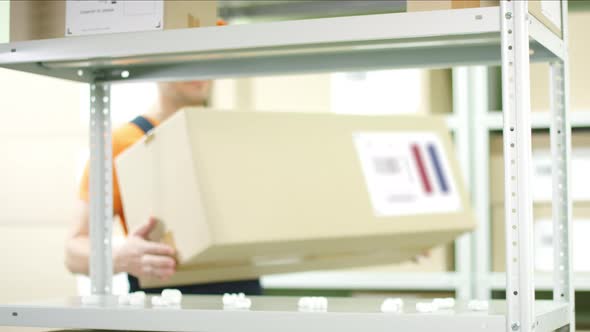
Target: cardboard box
(440, 259)
(34, 19)
(543, 237)
(247, 194)
(579, 52)
(542, 190)
(428, 5)
(389, 92)
(547, 12)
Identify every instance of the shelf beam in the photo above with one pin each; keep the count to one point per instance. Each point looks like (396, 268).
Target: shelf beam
(437, 39)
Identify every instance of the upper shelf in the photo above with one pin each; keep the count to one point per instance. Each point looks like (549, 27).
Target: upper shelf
(422, 39)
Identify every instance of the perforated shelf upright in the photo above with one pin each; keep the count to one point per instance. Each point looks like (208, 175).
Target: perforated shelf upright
(505, 35)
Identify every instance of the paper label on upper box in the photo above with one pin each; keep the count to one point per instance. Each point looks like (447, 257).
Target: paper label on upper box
(86, 17)
(552, 10)
(407, 173)
(543, 182)
(544, 244)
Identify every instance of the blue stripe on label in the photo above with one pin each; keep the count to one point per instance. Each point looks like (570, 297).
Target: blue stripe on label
(440, 175)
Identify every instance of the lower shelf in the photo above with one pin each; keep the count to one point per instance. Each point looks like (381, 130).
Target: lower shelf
(206, 313)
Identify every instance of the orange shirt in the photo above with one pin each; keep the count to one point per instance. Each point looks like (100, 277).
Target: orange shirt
(122, 138)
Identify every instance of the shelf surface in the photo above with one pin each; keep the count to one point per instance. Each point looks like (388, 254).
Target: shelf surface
(206, 313)
(400, 40)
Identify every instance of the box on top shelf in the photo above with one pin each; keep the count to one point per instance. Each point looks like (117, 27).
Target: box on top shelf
(547, 12)
(244, 194)
(543, 230)
(428, 5)
(33, 20)
(541, 168)
(579, 52)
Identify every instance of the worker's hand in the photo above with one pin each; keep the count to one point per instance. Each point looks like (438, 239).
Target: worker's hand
(143, 258)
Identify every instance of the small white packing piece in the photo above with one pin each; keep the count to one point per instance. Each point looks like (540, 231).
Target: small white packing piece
(124, 299)
(236, 301)
(426, 307)
(91, 300)
(477, 305)
(134, 299)
(158, 301)
(172, 296)
(392, 305)
(314, 303)
(137, 298)
(444, 303)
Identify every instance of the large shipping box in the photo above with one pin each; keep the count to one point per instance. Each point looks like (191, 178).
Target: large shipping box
(244, 194)
(36, 19)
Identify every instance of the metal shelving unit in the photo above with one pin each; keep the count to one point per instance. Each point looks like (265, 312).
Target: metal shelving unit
(452, 38)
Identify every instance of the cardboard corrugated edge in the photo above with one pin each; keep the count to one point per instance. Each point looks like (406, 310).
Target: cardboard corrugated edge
(191, 275)
(133, 195)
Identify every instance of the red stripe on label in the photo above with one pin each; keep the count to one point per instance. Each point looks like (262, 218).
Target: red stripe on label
(421, 169)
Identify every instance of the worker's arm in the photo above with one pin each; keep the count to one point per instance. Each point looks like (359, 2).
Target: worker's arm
(136, 255)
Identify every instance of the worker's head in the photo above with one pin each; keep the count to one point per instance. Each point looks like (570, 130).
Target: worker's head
(186, 93)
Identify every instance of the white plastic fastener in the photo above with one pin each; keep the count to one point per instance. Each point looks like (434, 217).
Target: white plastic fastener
(236, 301)
(426, 307)
(158, 301)
(315, 303)
(476, 305)
(172, 296)
(392, 305)
(444, 303)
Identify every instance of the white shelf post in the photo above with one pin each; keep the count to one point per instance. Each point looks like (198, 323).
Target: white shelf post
(479, 137)
(470, 107)
(101, 190)
(463, 148)
(520, 289)
(563, 288)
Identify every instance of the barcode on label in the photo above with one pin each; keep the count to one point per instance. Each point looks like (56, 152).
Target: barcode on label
(386, 165)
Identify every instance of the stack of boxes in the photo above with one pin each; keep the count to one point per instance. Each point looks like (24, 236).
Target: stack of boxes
(542, 197)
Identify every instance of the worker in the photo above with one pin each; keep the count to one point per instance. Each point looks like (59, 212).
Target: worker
(137, 256)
